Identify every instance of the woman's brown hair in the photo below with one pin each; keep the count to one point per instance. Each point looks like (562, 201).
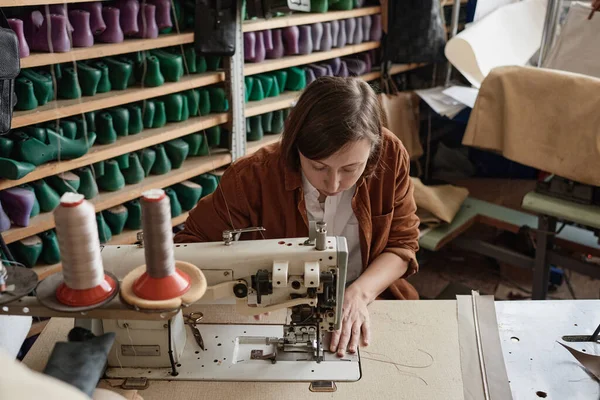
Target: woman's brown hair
(330, 114)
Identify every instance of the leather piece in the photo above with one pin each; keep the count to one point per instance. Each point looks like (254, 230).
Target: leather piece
(80, 364)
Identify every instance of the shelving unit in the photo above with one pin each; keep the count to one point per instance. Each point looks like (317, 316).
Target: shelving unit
(66, 108)
(396, 69)
(293, 61)
(304, 19)
(106, 50)
(124, 145)
(190, 168)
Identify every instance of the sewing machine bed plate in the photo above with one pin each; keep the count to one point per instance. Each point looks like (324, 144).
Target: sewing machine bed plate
(226, 359)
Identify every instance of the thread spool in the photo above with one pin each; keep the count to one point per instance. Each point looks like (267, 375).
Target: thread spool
(163, 283)
(162, 280)
(83, 284)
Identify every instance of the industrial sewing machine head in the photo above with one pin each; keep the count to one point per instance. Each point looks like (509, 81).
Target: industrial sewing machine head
(302, 277)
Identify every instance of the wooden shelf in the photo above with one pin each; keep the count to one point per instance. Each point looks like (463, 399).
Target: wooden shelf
(253, 147)
(44, 271)
(284, 100)
(288, 99)
(65, 108)
(292, 61)
(191, 167)
(106, 49)
(127, 144)
(307, 18)
(126, 237)
(20, 3)
(396, 69)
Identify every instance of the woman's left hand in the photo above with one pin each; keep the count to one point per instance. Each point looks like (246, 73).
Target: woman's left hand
(354, 323)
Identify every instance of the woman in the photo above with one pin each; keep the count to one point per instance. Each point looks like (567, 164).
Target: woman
(335, 163)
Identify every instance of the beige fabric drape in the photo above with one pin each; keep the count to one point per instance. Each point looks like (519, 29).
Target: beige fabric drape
(542, 118)
(402, 115)
(436, 204)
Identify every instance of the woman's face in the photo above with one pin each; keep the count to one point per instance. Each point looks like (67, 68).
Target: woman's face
(340, 171)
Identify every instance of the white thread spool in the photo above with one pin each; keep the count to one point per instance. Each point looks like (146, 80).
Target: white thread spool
(158, 233)
(77, 233)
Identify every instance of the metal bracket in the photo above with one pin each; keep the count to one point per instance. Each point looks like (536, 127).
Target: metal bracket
(322, 387)
(140, 239)
(234, 234)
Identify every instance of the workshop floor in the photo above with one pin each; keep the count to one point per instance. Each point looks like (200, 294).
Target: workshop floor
(449, 272)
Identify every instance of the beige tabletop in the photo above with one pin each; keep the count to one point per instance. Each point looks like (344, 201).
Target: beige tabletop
(414, 354)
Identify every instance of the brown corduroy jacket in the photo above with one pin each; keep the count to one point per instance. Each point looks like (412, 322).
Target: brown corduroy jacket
(260, 190)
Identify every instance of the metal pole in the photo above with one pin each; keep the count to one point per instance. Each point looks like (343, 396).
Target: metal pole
(549, 29)
(453, 32)
(234, 75)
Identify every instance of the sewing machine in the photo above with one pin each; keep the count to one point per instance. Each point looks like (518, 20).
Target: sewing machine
(305, 276)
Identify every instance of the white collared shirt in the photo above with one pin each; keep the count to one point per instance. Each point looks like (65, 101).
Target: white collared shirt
(337, 212)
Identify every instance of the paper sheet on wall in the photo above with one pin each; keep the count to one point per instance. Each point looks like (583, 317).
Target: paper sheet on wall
(508, 36)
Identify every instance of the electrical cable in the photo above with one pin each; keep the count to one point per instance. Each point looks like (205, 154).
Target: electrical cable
(171, 358)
